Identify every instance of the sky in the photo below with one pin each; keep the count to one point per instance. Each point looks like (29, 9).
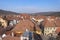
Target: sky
(30, 6)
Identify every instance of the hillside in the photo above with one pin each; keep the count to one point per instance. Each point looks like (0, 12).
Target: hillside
(47, 13)
(3, 12)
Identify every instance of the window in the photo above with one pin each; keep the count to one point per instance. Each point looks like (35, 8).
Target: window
(54, 27)
(53, 31)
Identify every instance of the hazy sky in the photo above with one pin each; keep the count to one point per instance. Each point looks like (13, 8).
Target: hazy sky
(30, 6)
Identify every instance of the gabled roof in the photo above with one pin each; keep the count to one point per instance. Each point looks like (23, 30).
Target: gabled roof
(51, 21)
(52, 17)
(58, 30)
(57, 22)
(10, 17)
(25, 16)
(40, 17)
(23, 25)
(48, 23)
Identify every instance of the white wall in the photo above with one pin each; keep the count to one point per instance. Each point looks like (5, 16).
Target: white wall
(48, 30)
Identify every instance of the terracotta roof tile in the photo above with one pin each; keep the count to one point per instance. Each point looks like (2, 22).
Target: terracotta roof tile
(58, 30)
(25, 16)
(57, 22)
(23, 25)
(12, 17)
(52, 17)
(40, 17)
(48, 23)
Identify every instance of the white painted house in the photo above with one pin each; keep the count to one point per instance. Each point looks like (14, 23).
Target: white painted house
(49, 30)
(50, 26)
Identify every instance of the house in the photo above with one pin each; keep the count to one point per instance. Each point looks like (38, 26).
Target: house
(36, 24)
(37, 21)
(13, 22)
(58, 30)
(12, 19)
(49, 30)
(25, 16)
(22, 26)
(49, 26)
(3, 22)
(57, 21)
(27, 35)
(40, 17)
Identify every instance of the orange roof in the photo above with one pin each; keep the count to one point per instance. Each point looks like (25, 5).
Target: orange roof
(10, 17)
(52, 17)
(23, 25)
(39, 17)
(48, 23)
(57, 22)
(1, 16)
(52, 23)
(58, 30)
(25, 16)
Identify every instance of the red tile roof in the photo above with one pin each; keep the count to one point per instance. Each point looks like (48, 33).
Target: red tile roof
(25, 16)
(48, 23)
(57, 22)
(52, 17)
(40, 17)
(23, 25)
(10, 17)
(52, 22)
(58, 30)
